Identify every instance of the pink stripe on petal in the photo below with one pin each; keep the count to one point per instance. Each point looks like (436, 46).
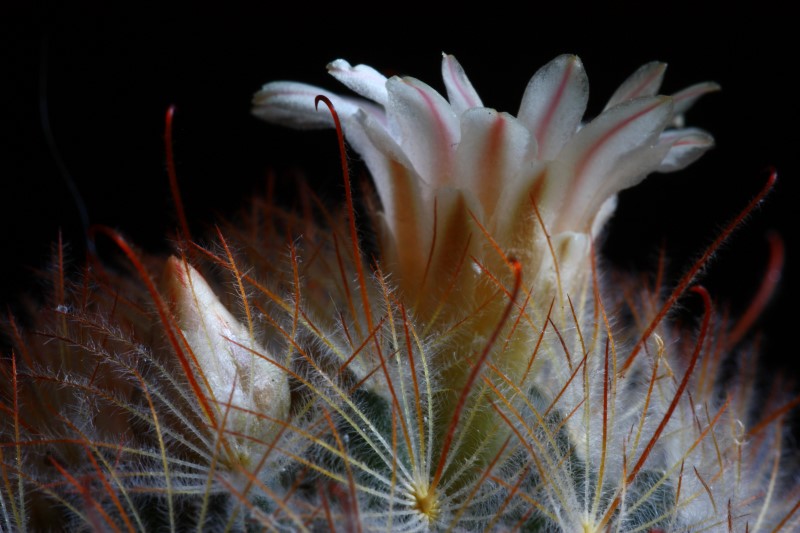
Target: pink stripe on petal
(646, 81)
(550, 110)
(554, 103)
(686, 146)
(611, 153)
(490, 155)
(635, 112)
(460, 92)
(687, 97)
(425, 126)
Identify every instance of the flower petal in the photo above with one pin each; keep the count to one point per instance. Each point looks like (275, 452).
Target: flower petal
(460, 92)
(425, 127)
(361, 79)
(393, 174)
(607, 209)
(685, 147)
(292, 104)
(646, 81)
(554, 103)
(408, 209)
(687, 97)
(613, 152)
(514, 221)
(490, 155)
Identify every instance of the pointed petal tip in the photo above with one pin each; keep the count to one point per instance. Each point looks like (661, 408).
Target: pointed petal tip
(574, 59)
(685, 147)
(689, 95)
(460, 91)
(645, 81)
(341, 64)
(700, 89)
(189, 295)
(658, 67)
(361, 79)
(449, 57)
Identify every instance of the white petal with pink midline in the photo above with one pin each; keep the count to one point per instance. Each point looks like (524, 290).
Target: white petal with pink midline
(613, 152)
(425, 127)
(685, 147)
(686, 98)
(407, 208)
(460, 92)
(646, 81)
(490, 155)
(554, 102)
(391, 170)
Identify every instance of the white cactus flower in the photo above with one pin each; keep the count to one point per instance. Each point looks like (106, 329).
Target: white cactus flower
(612, 441)
(432, 158)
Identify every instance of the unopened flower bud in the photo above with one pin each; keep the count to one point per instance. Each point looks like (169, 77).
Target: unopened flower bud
(235, 366)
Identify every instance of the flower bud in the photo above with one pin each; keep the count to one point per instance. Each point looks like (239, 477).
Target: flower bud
(242, 377)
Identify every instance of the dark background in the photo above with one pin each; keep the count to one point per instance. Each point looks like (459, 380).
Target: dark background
(111, 73)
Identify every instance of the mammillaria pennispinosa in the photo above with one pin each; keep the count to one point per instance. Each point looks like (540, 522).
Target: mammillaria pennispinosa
(465, 367)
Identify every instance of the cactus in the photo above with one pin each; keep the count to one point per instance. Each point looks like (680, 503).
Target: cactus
(475, 369)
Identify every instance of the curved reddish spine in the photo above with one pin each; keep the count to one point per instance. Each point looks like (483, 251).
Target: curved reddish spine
(777, 254)
(173, 174)
(163, 315)
(687, 278)
(351, 212)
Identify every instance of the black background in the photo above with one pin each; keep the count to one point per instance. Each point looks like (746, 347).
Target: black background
(112, 72)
